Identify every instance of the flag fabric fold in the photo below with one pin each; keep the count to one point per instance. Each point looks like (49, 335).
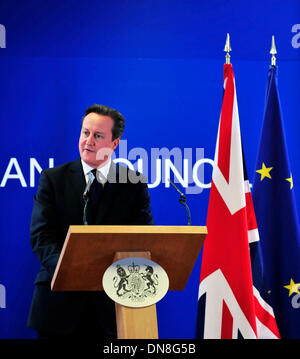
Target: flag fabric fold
(229, 306)
(275, 208)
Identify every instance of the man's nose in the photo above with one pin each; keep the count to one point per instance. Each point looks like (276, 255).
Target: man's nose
(90, 140)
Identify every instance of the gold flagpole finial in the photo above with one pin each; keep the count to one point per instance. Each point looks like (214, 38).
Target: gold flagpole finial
(273, 52)
(227, 49)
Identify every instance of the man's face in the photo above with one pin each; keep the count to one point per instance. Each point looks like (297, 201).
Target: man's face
(95, 142)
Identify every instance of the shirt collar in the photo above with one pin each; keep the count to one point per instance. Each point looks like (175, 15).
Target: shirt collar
(103, 170)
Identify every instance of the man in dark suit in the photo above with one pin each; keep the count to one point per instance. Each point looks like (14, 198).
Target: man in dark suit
(118, 196)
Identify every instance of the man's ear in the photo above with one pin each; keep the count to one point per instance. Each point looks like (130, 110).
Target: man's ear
(115, 143)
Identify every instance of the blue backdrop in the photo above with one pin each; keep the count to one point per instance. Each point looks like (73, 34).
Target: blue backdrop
(160, 63)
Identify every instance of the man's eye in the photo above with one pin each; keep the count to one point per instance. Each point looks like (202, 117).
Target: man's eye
(97, 136)
(85, 133)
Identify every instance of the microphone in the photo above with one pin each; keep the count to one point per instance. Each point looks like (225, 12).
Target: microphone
(86, 198)
(182, 200)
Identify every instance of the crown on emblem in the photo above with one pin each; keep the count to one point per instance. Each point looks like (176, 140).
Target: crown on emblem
(133, 268)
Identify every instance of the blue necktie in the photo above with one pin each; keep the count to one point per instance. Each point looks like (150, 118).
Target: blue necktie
(95, 190)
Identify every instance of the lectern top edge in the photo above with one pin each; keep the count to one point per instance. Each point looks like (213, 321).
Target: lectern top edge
(89, 250)
(138, 229)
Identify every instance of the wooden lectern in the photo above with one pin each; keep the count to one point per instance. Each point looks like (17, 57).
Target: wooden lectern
(89, 250)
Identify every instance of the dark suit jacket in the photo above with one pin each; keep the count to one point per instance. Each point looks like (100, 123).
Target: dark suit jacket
(59, 204)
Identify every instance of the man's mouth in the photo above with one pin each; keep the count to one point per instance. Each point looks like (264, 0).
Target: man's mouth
(88, 149)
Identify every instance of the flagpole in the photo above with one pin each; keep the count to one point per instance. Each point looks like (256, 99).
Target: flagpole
(227, 49)
(273, 52)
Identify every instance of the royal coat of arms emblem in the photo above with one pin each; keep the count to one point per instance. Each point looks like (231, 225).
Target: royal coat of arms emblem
(135, 282)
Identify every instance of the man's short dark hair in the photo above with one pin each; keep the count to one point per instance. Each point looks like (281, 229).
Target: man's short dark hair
(119, 121)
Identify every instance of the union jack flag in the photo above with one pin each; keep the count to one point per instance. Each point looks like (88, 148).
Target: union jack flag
(232, 299)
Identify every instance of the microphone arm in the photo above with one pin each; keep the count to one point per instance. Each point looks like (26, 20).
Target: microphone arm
(182, 200)
(86, 199)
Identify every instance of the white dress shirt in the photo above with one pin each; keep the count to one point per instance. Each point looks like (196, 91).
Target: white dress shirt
(101, 174)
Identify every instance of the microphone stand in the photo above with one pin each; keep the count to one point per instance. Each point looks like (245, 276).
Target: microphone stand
(86, 199)
(182, 200)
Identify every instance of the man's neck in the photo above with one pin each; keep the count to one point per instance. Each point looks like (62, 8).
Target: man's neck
(103, 167)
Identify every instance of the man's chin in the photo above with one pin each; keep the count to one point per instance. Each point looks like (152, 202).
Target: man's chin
(89, 158)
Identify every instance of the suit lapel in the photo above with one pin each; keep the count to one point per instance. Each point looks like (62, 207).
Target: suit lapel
(77, 181)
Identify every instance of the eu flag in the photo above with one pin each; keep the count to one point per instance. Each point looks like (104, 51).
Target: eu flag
(275, 209)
